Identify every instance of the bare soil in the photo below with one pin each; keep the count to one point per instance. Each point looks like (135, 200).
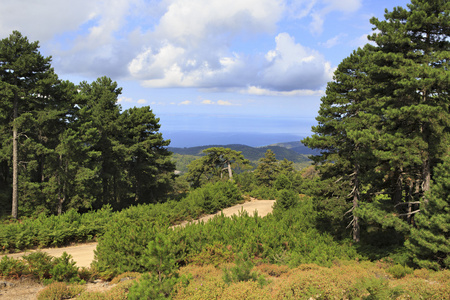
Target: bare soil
(83, 255)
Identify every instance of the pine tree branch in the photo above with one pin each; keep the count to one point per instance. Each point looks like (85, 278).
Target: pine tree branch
(403, 203)
(349, 211)
(410, 213)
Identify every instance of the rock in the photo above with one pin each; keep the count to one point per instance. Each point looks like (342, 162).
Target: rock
(4, 284)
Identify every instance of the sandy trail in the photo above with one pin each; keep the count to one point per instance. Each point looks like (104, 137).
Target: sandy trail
(83, 254)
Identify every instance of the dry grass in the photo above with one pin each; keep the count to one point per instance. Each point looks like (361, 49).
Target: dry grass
(344, 280)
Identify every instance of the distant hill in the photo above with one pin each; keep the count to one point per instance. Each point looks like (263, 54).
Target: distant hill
(254, 153)
(297, 147)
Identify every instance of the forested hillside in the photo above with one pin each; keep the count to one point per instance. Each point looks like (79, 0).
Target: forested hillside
(253, 153)
(299, 155)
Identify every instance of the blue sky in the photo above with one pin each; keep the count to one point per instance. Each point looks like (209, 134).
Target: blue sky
(247, 66)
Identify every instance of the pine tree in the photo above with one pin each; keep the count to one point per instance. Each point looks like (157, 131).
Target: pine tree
(216, 162)
(148, 170)
(345, 152)
(267, 170)
(429, 242)
(410, 80)
(26, 79)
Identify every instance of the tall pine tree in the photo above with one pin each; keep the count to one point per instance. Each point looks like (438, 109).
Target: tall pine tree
(26, 78)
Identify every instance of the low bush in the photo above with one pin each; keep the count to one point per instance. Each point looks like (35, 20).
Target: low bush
(46, 231)
(374, 288)
(12, 268)
(43, 267)
(399, 271)
(242, 271)
(214, 255)
(60, 290)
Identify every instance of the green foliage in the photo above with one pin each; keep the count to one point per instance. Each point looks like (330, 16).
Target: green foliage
(150, 287)
(80, 150)
(286, 199)
(213, 197)
(373, 289)
(218, 163)
(282, 183)
(264, 193)
(10, 267)
(214, 255)
(267, 170)
(242, 271)
(158, 257)
(64, 269)
(46, 231)
(399, 271)
(429, 242)
(41, 266)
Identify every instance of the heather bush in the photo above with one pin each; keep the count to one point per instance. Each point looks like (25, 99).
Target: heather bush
(214, 255)
(60, 290)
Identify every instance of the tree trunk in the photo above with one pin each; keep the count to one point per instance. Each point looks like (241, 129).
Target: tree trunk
(426, 176)
(15, 202)
(230, 173)
(356, 198)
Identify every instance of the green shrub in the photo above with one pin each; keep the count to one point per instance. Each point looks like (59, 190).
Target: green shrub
(10, 267)
(286, 199)
(282, 183)
(64, 269)
(242, 271)
(373, 289)
(39, 263)
(214, 255)
(150, 287)
(264, 193)
(399, 271)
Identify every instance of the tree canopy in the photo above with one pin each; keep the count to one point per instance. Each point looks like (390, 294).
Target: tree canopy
(71, 146)
(383, 125)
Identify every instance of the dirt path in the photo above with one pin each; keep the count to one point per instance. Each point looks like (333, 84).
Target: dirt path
(83, 254)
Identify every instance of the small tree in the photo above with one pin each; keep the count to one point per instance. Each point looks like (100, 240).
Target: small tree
(217, 162)
(267, 170)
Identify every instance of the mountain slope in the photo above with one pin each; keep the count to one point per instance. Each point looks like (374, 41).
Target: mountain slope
(250, 153)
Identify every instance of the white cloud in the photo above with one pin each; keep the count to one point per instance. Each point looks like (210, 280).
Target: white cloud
(187, 102)
(254, 90)
(124, 99)
(224, 103)
(333, 41)
(142, 101)
(294, 67)
(318, 10)
(219, 102)
(42, 20)
(179, 43)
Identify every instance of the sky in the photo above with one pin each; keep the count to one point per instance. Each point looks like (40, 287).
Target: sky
(206, 68)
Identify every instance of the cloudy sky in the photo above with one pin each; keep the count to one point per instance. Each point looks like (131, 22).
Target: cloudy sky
(221, 66)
